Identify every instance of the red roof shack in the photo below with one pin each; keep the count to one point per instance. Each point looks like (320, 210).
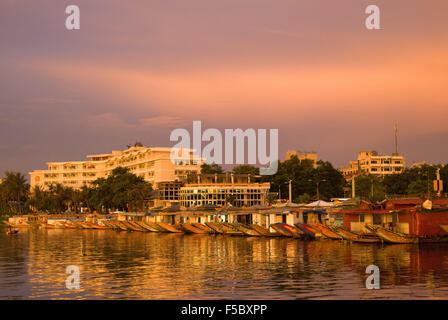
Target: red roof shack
(404, 216)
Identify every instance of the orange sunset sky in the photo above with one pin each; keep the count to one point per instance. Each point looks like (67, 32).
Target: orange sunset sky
(138, 69)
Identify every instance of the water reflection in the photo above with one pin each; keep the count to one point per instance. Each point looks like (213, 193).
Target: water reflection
(125, 265)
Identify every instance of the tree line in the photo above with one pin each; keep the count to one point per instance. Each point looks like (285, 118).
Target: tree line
(325, 182)
(121, 190)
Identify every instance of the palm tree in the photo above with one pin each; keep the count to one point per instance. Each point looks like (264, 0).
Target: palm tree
(16, 188)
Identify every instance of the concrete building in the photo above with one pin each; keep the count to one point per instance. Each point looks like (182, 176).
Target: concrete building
(153, 164)
(370, 162)
(303, 156)
(215, 189)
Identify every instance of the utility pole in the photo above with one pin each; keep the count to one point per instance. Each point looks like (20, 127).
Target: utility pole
(396, 139)
(290, 191)
(353, 187)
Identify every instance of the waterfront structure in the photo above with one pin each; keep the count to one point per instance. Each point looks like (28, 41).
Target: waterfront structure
(154, 164)
(399, 215)
(303, 156)
(370, 162)
(220, 189)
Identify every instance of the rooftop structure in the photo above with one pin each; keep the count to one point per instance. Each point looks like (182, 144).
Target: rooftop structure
(153, 164)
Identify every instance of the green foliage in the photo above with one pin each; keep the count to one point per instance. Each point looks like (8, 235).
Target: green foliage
(14, 191)
(307, 180)
(121, 190)
(211, 168)
(246, 169)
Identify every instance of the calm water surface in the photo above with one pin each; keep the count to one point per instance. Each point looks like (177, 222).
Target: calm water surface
(132, 265)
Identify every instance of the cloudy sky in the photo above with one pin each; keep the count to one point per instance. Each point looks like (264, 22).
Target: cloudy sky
(137, 69)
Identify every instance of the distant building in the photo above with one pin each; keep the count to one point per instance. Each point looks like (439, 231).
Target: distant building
(370, 162)
(153, 164)
(218, 189)
(303, 156)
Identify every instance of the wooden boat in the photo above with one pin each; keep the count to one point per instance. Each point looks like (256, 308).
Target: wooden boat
(17, 225)
(247, 230)
(69, 225)
(230, 229)
(12, 231)
(216, 227)
(391, 236)
(147, 227)
(310, 232)
(130, 226)
(155, 226)
(327, 232)
(189, 228)
(110, 225)
(137, 226)
(264, 231)
(204, 227)
(286, 230)
(444, 228)
(354, 237)
(169, 227)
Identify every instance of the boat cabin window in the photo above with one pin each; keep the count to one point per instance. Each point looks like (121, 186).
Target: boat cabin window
(361, 218)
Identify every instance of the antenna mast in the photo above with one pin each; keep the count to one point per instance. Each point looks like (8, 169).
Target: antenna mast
(396, 139)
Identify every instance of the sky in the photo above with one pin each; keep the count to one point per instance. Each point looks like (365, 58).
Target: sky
(138, 69)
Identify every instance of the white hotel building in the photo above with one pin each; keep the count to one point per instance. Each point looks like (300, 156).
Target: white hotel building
(153, 164)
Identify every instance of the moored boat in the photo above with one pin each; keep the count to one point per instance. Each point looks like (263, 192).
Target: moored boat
(12, 231)
(264, 231)
(189, 228)
(354, 237)
(169, 227)
(204, 227)
(391, 236)
(327, 232)
(216, 227)
(247, 230)
(444, 228)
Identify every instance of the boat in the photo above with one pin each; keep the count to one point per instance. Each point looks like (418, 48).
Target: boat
(230, 229)
(155, 226)
(310, 232)
(169, 227)
(137, 226)
(327, 232)
(247, 230)
(391, 236)
(444, 228)
(12, 231)
(189, 228)
(264, 231)
(287, 230)
(354, 237)
(12, 225)
(147, 227)
(204, 227)
(216, 227)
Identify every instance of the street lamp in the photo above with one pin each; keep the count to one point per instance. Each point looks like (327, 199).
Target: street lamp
(317, 186)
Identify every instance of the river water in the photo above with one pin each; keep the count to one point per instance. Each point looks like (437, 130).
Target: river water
(133, 265)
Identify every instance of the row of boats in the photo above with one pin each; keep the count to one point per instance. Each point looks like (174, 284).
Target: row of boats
(378, 234)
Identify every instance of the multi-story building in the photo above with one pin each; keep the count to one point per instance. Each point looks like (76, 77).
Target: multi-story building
(221, 189)
(303, 156)
(370, 162)
(153, 164)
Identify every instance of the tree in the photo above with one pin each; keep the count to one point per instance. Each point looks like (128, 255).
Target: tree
(121, 190)
(15, 190)
(211, 169)
(246, 169)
